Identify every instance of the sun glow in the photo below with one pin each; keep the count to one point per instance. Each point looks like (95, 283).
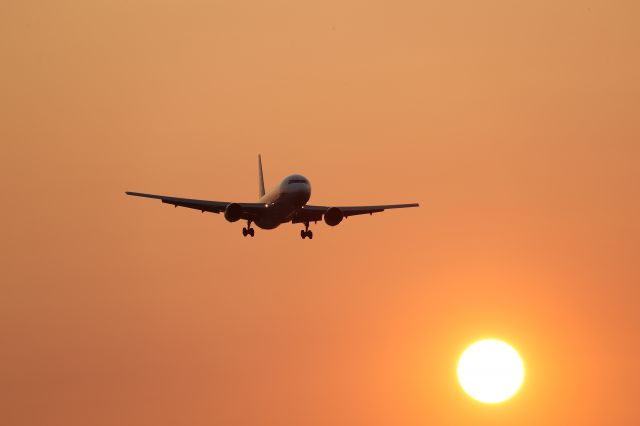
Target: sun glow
(490, 371)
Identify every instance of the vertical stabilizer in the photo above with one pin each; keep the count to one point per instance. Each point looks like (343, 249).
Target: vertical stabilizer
(260, 176)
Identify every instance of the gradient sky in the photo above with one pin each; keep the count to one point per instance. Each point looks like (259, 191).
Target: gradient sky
(516, 125)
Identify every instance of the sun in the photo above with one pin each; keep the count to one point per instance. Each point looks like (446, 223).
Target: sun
(490, 371)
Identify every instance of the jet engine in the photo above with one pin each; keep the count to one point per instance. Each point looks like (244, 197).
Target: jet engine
(232, 212)
(333, 216)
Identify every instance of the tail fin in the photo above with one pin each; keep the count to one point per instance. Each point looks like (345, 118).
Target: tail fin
(260, 176)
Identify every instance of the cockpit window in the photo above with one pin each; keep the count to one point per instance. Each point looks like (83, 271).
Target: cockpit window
(296, 181)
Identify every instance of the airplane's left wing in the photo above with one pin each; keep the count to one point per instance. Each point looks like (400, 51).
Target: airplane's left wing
(248, 210)
(310, 213)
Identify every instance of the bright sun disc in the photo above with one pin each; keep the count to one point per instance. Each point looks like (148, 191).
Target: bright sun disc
(490, 371)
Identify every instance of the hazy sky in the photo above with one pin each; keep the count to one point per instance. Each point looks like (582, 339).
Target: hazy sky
(516, 125)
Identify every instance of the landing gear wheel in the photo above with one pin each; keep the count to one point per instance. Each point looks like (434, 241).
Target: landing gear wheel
(248, 230)
(305, 232)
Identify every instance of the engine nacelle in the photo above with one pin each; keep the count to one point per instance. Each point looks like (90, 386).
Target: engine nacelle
(232, 212)
(333, 216)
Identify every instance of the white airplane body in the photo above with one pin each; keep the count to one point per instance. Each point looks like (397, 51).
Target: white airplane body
(285, 203)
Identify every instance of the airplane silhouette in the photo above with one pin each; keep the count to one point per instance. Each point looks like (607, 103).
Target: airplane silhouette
(287, 202)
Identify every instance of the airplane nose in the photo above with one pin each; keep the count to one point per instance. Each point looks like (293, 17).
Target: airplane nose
(302, 194)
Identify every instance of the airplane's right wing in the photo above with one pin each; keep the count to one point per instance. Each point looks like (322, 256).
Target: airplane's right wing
(310, 213)
(246, 210)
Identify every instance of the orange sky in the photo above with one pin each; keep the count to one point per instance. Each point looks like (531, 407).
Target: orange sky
(516, 125)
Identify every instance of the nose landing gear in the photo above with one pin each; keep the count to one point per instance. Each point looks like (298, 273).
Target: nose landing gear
(248, 230)
(305, 232)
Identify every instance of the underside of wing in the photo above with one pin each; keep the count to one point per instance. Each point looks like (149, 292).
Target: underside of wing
(241, 210)
(335, 214)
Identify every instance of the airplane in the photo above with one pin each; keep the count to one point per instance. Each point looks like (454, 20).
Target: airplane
(287, 202)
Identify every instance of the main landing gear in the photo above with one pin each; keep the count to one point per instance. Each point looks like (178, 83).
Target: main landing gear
(248, 230)
(305, 232)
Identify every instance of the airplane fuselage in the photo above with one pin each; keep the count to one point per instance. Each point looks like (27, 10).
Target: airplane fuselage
(284, 201)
